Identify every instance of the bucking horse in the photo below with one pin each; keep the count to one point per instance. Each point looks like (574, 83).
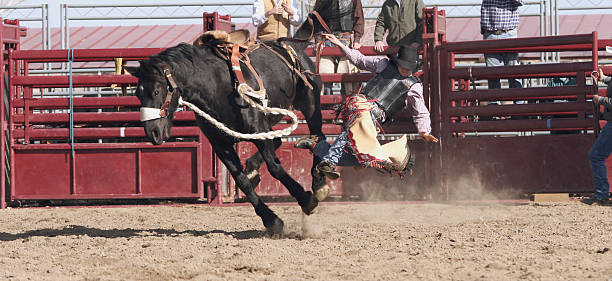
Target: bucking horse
(237, 93)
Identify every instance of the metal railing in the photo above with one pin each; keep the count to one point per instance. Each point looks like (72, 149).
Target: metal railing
(31, 13)
(144, 11)
(547, 10)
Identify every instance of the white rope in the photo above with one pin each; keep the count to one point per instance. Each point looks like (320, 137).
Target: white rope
(257, 136)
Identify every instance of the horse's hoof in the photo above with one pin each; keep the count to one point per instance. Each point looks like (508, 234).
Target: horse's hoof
(312, 203)
(276, 228)
(254, 178)
(322, 192)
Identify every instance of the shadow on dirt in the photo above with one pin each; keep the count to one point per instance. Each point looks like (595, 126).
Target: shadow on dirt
(77, 230)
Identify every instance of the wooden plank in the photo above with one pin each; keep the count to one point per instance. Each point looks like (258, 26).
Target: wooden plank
(551, 197)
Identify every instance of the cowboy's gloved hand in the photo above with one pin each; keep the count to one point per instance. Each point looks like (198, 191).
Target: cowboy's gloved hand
(274, 11)
(332, 38)
(288, 9)
(596, 99)
(428, 137)
(379, 46)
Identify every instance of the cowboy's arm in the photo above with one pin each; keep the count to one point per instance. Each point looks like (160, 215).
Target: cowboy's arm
(259, 13)
(374, 64)
(416, 104)
(295, 18)
(418, 17)
(379, 30)
(358, 27)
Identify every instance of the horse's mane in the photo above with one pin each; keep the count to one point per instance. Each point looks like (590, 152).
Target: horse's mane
(178, 55)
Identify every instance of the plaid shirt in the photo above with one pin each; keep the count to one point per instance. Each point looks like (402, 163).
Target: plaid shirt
(500, 14)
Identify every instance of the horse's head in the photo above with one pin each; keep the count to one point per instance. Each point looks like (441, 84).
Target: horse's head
(158, 95)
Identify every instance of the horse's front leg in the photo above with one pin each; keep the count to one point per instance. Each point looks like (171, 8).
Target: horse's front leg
(228, 155)
(306, 199)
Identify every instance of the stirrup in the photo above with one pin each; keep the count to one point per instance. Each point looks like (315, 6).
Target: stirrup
(308, 142)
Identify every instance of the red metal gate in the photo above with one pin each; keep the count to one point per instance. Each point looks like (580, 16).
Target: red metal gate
(111, 157)
(526, 162)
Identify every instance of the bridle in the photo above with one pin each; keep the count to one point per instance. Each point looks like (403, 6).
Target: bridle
(151, 113)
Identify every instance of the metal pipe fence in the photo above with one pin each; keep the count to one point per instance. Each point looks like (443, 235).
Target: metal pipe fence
(31, 13)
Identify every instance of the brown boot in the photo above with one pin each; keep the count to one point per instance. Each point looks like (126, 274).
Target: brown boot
(307, 142)
(328, 169)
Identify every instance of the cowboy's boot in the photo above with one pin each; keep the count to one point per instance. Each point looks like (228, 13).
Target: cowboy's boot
(328, 169)
(307, 143)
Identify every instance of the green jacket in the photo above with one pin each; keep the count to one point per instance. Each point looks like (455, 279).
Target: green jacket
(405, 23)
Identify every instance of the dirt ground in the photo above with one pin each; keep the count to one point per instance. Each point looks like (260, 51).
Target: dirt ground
(373, 241)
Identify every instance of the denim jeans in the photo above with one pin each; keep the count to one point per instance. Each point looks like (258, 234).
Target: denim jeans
(500, 59)
(598, 154)
(340, 153)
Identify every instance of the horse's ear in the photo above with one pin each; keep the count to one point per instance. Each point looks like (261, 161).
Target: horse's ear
(134, 70)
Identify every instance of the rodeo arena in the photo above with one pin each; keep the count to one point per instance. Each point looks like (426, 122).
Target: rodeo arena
(306, 140)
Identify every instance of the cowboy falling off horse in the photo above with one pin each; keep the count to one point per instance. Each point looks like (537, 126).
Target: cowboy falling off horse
(392, 89)
(239, 91)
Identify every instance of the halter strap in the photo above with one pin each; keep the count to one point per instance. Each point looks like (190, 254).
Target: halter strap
(150, 113)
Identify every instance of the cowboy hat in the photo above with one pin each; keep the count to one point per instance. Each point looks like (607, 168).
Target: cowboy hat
(407, 57)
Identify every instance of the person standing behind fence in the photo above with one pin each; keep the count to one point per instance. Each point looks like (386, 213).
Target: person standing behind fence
(499, 19)
(602, 148)
(347, 24)
(404, 21)
(273, 18)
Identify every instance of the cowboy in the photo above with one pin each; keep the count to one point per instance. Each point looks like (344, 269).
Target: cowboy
(348, 28)
(392, 89)
(273, 17)
(602, 148)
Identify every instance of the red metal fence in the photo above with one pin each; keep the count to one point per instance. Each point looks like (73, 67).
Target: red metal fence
(112, 158)
(529, 163)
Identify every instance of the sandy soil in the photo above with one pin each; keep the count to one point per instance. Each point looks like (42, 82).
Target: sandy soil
(374, 241)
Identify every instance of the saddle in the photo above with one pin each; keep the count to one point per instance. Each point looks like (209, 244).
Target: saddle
(242, 37)
(235, 47)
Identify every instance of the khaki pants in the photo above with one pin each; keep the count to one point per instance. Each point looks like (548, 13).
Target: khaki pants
(338, 65)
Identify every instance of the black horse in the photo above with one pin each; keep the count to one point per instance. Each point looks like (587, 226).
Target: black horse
(205, 79)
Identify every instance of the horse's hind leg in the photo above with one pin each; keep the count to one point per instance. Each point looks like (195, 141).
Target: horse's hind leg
(311, 108)
(254, 163)
(226, 152)
(305, 198)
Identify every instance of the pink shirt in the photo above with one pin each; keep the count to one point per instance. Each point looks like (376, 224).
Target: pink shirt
(415, 104)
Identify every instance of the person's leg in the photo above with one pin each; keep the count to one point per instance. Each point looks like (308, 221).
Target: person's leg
(345, 66)
(598, 154)
(336, 150)
(327, 65)
(492, 59)
(511, 59)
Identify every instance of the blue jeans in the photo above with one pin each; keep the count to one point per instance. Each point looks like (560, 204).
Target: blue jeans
(598, 154)
(340, 153)
(500, 59)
